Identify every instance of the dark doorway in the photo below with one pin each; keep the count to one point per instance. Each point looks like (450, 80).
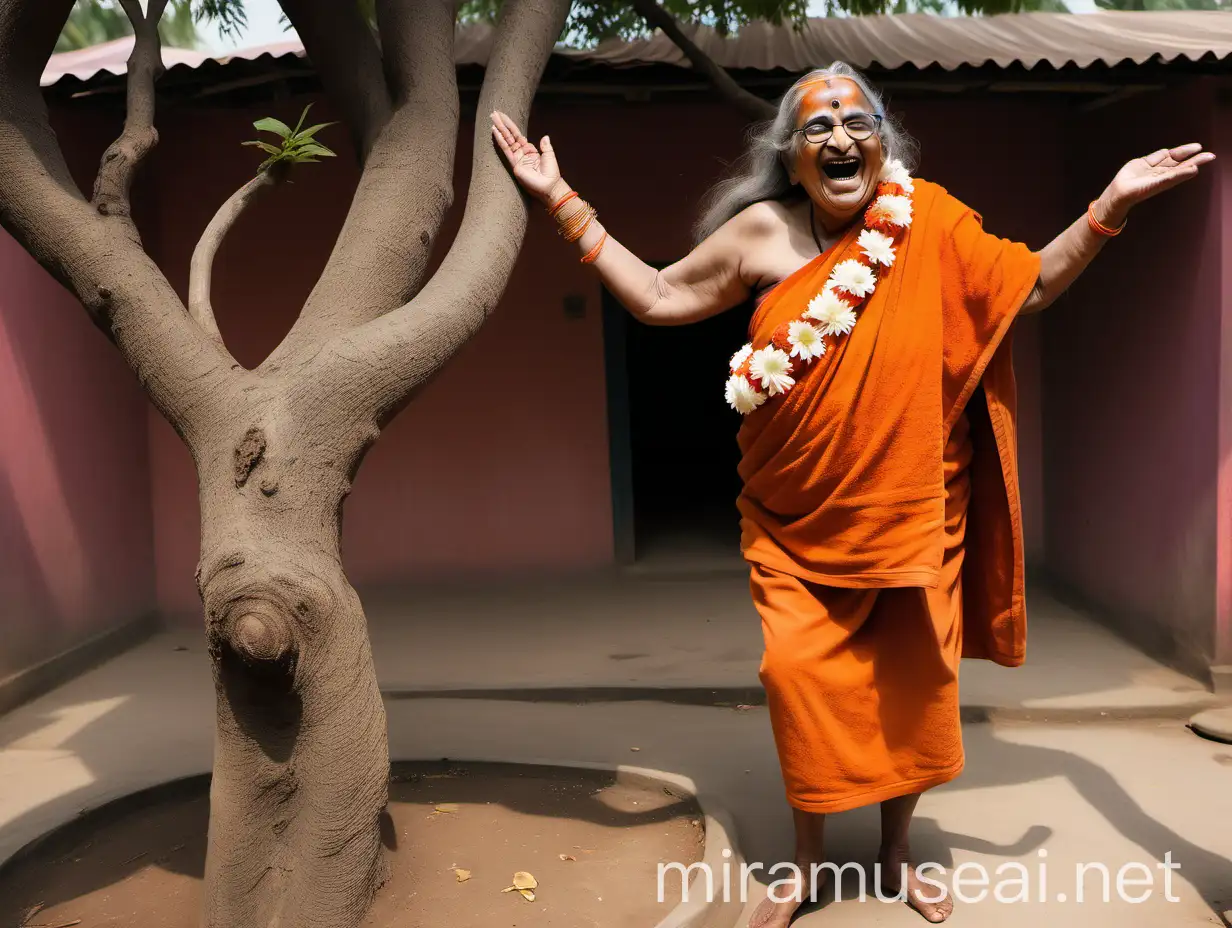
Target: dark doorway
(673, 438)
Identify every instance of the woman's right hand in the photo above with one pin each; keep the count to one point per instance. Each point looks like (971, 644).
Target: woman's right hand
(534, 168)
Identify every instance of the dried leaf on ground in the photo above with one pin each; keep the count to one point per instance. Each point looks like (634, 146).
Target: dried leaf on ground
(523, 883)
(567, 857)
(524, 893)
(524, 880)
(445, 807)
(462, 875)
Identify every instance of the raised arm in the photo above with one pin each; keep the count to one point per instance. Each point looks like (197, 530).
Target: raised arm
(706, 281)
(1067, 255)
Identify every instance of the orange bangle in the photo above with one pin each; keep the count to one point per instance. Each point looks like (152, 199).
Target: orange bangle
(574, 236)
(570, 222)
(591, 255)
(561, 202)
(574, 225)
(1099, 228)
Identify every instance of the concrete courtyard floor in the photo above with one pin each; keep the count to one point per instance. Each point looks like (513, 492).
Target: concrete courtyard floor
(1082, 754)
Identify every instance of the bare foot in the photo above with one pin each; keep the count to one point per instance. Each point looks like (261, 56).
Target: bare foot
(776, 911)
(921, 896)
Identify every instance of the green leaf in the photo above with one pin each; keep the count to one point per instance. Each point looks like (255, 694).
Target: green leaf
(270, 124)
(312, 130)
(265, 147)
(301, 117)
(229, 16)
(314, 148)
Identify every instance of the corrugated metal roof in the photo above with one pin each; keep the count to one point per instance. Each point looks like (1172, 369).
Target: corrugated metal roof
(889, 42)
(112, 58)
(922, 40)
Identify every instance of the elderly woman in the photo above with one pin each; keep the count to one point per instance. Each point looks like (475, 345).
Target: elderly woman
(880, 511)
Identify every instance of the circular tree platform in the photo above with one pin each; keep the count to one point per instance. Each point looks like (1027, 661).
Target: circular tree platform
(1215, 724)
(457, 834)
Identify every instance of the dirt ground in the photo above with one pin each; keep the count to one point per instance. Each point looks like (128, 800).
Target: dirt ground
(592, 845)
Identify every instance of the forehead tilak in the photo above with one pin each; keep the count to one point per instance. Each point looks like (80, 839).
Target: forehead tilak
(830, 91)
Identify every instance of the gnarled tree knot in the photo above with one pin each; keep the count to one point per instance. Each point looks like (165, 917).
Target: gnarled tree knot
(248, 454)
(261, 638)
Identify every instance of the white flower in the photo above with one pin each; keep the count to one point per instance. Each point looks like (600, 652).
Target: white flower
(825, 306)
(741, 396)
(877, 246)
(740, 356)
(772, 367)
(806, 340)
(833, 313)
(854, 277)
(893, 172)
(896, 209)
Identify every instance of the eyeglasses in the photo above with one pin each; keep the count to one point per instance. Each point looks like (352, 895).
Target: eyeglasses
(858, 128)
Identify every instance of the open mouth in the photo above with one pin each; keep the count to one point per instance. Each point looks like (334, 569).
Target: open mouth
(841, 168)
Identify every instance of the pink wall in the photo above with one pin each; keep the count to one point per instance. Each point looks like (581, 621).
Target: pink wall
(75, 516)
(1223, 143)
(1131, 391)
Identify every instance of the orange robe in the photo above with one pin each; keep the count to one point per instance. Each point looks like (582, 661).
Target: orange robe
(880, 511)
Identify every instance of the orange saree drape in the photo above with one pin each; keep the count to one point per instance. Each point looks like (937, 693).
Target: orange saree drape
(880, 512)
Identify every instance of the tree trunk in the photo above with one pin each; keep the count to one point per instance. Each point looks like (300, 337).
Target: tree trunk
(301, 761)
(301, 764)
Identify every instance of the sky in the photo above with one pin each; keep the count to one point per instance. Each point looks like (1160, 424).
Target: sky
(264, 27)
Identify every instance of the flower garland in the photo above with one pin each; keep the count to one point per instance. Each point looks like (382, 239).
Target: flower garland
(757, 375)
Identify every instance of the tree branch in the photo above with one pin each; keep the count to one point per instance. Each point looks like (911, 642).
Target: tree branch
(403, 50)
(344, 53)
(382, 252)
(28, 34)
(753, 106)
(201, 269)
(122, 289)
(381, 363)
(138, 138)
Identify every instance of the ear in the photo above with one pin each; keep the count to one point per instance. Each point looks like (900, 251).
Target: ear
(789, 165)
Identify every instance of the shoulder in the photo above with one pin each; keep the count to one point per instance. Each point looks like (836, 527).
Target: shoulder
(755, 223)
(765, 217)
(946, 207)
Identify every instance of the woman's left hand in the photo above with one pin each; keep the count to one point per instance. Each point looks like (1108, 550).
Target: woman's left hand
(1162, 170)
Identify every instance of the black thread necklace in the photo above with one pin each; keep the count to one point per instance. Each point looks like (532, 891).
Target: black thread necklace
(813, 228)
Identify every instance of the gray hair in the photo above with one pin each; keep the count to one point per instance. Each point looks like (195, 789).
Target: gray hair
(759, 174)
